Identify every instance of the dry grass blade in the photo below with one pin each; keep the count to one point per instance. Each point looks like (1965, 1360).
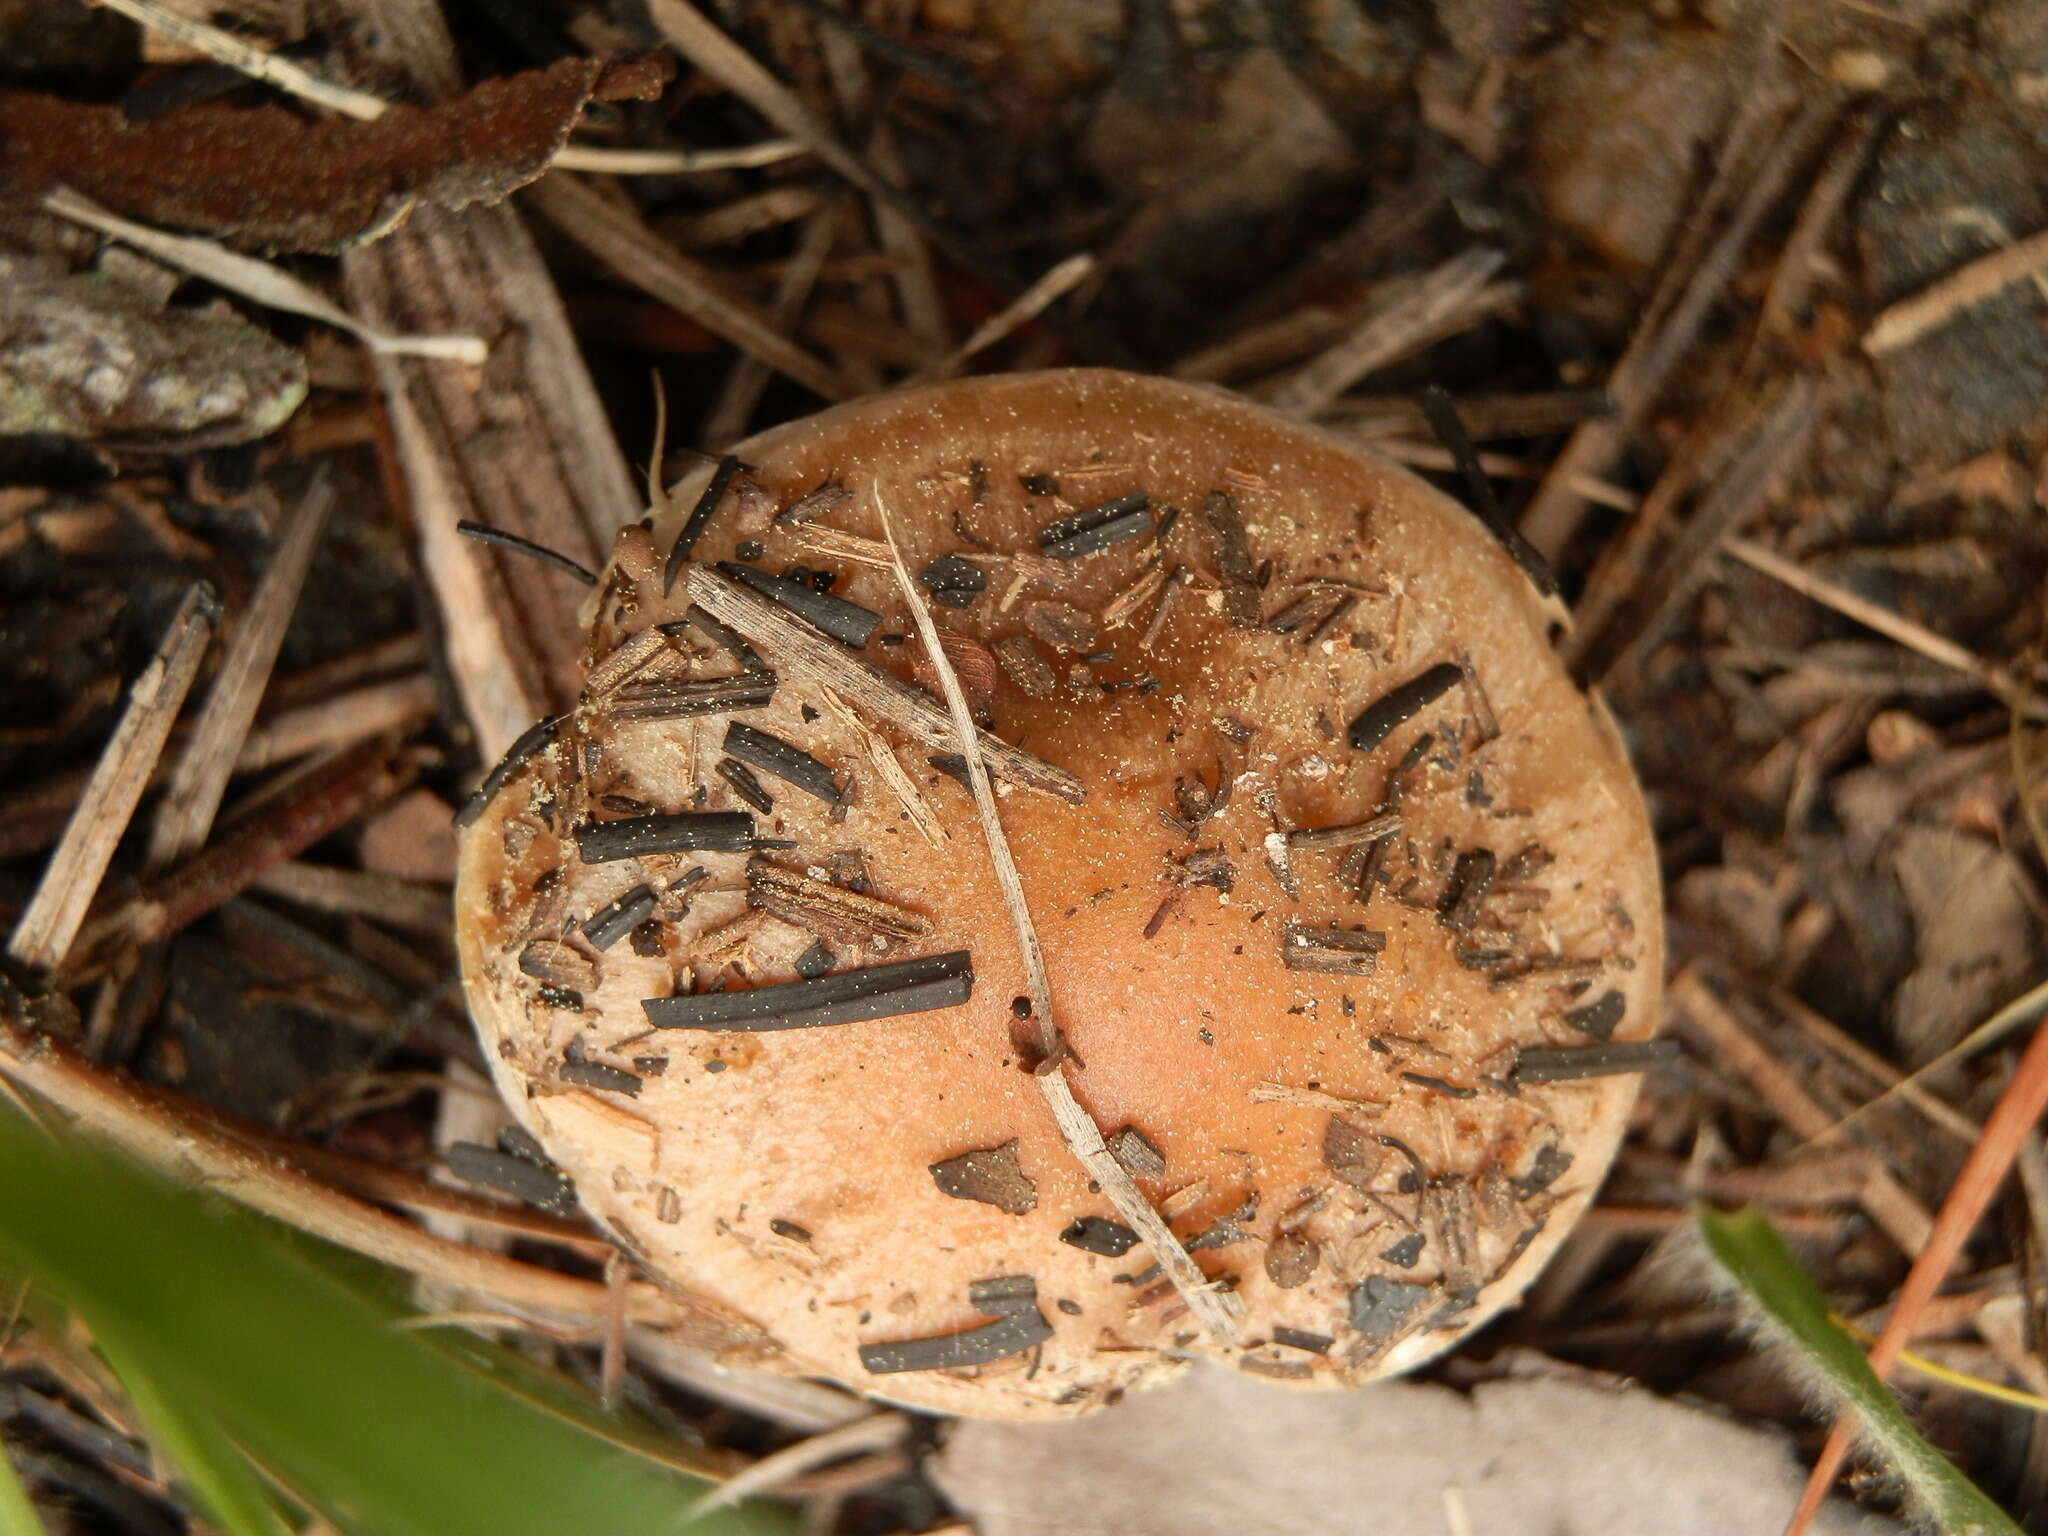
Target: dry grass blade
(1055, 285)
(794, 1401)
(700, 41)
(1892, 625)
(873, 1433)
(43, 936)
(889, 769)
(1444, 300)
(2023, 1010)
(400, 903)
(257, 281)
(1671, 325)
(1891, 1205)
(2019, 1107)
(1798, 263)
(346, 718)
(622, 241)
(298, 810)
(1217, 1311)
(802, 655)
(749, 376)
(1737, 499)
(1936, 305)
(226, 48)
(208, 759)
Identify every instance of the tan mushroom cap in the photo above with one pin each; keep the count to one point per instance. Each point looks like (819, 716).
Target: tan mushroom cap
(1351, 1152)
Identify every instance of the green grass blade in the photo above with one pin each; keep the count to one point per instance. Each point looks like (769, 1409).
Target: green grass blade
(18, 1515)
(1831, 1365)
(377, 1430)
(216, 1476)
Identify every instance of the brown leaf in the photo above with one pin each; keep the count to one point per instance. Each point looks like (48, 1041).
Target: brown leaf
(265, 178)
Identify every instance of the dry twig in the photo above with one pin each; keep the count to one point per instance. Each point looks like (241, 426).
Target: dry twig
(43, 936)
(1215, 1310)
(208, 759)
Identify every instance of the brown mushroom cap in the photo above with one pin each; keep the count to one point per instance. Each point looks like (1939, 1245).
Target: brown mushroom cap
(1342, 1132)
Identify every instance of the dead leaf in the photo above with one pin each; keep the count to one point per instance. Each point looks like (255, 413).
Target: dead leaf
(1974, 937)
(265, 178)
(1221, 1455)
(92, 356)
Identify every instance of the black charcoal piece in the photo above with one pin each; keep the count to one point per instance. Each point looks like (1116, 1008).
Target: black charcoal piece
(1223, 529)
(518, 1141)
(790, 763)
(1404, 1252)
(816, 961)
(1484, 959)
(954, 582)
(525, 1179)
(1379, 1305)
(991, 1175)
(1012, 1300)
(1298, 1338)
(1439, 1085)
(648, 940)
(530, 741)
(1559, 1066)
(1094, 529)
(680, 698)
(600, 842)
(1412, 1180)
(954, 766)
(847, 997)
(725, 636)
(484, 533)
(1331, 951)
(595, 1074)
(789, 1229)
(1471, 881)
(1548, 1166)
(1098, 1234)
(744, 784)
(1599, 1017)
(568, 999)
(1449, 428)
(1379, 719)
(611, 923)
(1225, 1230)
(700, 515)
(842, 620)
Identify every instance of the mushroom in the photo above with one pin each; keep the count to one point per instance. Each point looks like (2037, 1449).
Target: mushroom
(1347, 900)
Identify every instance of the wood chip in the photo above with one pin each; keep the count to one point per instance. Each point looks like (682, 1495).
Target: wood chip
(819, 906)
(1331, 951)
(991, 1175)
(1135, 1154)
